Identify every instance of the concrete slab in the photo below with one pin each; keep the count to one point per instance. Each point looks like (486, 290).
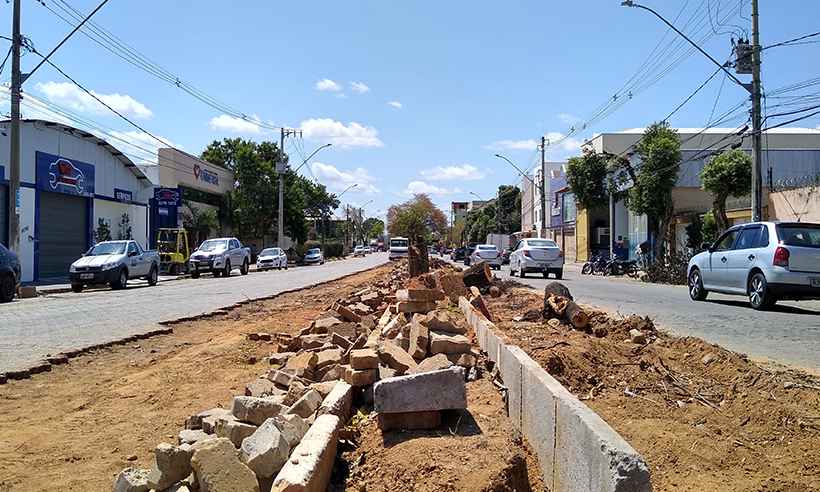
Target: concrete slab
(512, 374)
(429, 391)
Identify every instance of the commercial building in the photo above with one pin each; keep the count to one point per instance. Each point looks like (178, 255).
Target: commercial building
(458, 211)
(74, 187)
(532, 223)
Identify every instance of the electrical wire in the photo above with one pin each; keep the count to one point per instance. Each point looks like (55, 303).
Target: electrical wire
(791, 41)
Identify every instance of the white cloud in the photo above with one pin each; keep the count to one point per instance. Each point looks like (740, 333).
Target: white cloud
(557, 144)
(395, 104)
(359, 87)
(466, 172)
(331, 131)
(140, 139)
(327, 85)
(72, 97)
(416, 187)
(530, 144)
(337, 180)
(568, 118)
(233, 124)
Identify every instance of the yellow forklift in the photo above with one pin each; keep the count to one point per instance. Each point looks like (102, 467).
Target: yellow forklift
(174, 251)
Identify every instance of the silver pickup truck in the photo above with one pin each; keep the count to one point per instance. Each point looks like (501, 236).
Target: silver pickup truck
(220, 256)
(114, 263)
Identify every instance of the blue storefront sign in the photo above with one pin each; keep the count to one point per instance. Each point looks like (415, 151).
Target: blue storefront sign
(205, 175)
(61, 175)
(168, 197)
(2, 173)
(123, 195)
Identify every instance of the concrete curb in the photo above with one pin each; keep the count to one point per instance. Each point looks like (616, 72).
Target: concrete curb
(577, 450)
(311, 461)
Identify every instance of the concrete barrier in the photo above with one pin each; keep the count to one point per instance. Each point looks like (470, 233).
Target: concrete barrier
(576, 449)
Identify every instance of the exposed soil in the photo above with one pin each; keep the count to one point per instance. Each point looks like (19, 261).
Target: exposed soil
(703, 417)
(76, 427)
(474, 451)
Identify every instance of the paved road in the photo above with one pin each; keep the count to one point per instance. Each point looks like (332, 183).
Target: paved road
(31, 328)
(790, 334)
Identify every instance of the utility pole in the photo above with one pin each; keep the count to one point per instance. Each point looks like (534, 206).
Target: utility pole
(280, 170)
(757, 137)
(14, 144)
(543, 232)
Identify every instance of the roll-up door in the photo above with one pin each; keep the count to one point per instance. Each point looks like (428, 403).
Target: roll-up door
(63, 232)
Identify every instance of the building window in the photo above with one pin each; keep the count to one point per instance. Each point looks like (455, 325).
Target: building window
(569, 207)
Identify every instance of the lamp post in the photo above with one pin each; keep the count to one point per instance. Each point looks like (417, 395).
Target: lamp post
(361, 217)
(311, 156)
(539, 186)
(324, 231)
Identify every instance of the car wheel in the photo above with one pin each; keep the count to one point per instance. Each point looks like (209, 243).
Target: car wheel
(153, 277)
(559, 274)
(696, 290)
(76, 288)
(194, 274)
(245, 268)
(122, 280)
(587, 269)
(546, 274)
(521, 272)
(759, 295)
(227, 271)
(7, 288)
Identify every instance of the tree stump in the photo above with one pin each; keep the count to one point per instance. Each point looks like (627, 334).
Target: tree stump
(557, 289)
(478, 275)
(417, 261)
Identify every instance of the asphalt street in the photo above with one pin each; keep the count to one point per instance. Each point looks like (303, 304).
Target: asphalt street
(789, 334)
(32, 328)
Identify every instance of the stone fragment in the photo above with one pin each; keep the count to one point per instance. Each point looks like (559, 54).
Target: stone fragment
(636, 336)
(324, 388)
(348, 314)
(372, 341)
(321, 325)
(295, 391)
(302, 364)
(361, 309)
(292, 427)
(385, 372)
(282, 377)
(360, 377)
(372, 299)
(261, 387)
(436, 390)
(409, 420)
(364, 359)
(419, 339)
(308, 342)
(255, 410)
(396, 358)
(416, 306)
(448, 343)
(233, 430)
(332, 373)
(195, 421)
(190, 436)
(453, 286)
(478, 303)
(132, 480)
(266, 450)
(384, 319)
(338, 402)
(423, 295)
(218, 468)
(280, 358)
(328, 357)
(209, 422)
(708, 358)
(171, 464)
(441, 320)
(340, 341)
(465, 360)
(306, 405)
(434, 363)
(311, 462)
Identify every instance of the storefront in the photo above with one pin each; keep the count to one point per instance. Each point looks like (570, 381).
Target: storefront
(75, 189)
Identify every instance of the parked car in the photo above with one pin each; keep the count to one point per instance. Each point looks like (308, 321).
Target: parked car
(359, 251)
(765, 261)
(398, 248)
(537, 255)
(114, 263)
(270, 258)
(458, 253)
(314, 257)
(220, 256)
(10, 274)
(367, 250)
(488, 253)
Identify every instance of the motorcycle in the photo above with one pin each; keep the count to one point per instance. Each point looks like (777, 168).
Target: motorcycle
(617, 266)
(594, 266)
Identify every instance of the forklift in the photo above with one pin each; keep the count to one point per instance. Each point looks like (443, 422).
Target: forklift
(174, 251)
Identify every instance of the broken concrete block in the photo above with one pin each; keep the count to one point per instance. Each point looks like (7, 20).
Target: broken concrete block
(372, 299)
(171, 464)
(384, 319)
(419, 295)
(328, 357)
(416, 306)
(347, 330)
(409, 420)
(292, 427)
(331, 373)
(395, 358)
(301, 365)
(448, 343)
(233, 430)
(132, 480)
(308, 342)
(465, 360)
(340, 341)
(419, 339)
(338, 402)
(364, 359)
(372, 340)
(434, 363)
(348, 314)
(218, 468)
(261, 387)
(195, 421)
(359, 378)
(255, 410)
(266, 450)
(191, 436)
(324, 388)
(306, 405)
(295, 391)
(209, 423)
(436, 390)
(322, 324)
(385, 372)
(441, 320)
(361, 309)
(311, 462)
(636, 336)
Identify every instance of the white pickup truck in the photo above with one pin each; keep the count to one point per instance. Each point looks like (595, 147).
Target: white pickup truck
(114, 263)
(220, 256)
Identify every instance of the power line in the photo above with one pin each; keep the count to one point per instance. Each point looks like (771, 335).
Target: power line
(791, 41)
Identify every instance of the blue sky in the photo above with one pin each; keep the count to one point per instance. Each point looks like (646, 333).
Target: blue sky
(415, 96)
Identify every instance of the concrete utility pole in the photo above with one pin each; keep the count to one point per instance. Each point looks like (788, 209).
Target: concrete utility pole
(280, 170)
(543, 232)
(14, 144)
(757, 137)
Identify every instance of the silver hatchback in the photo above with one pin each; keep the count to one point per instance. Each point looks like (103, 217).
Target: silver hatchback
(766, 261)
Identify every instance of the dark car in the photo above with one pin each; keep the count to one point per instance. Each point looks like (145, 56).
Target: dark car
(9, 274)
(458, 253)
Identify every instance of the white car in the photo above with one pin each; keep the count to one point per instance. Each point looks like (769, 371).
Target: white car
(537, 255)
(485, 252)
(359, 251)
(367, 250)
(314, 257)
(270, 258)
(220, 256)
(398, 248)
(114, 263)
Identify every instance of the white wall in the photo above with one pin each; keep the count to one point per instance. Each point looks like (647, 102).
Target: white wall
(112, 212)
(27, 198)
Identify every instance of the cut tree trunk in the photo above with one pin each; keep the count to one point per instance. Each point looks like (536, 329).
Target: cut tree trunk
(478, 275)
(418, 262)
(557, 289)
(576, 316)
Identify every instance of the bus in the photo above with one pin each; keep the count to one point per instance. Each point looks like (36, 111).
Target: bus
(398, 247)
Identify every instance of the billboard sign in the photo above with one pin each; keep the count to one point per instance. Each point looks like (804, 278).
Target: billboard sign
(61, 175)
(123, 195)
(206, 176)
(168, 197)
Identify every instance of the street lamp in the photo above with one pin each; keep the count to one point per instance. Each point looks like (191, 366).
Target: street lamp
(538, 186)
(324, 217)
(476, 195)
(311, 155)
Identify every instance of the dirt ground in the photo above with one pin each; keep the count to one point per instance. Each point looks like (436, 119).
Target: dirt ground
(703, 417)
(476, 451)
(78, 426)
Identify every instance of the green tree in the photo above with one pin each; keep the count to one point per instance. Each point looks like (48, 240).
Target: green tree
(587, 177)
(417, 218)
(509, 210)
(651, 194)
(103, 231)
(199, 221)
(373, 227)
(709, 231)
(223, 153)
(728, 174)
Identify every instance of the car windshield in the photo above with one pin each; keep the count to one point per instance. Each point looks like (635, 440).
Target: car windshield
(214, 245)
(103, 249)
(542, 244)
(486, 248)
(269, 252)
(398, 243)
(314, 251)
(805, 235)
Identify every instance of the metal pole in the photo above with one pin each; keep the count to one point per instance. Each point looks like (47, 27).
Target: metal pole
(14, 144)
(280, 223)
(543, 232)
(757, 137)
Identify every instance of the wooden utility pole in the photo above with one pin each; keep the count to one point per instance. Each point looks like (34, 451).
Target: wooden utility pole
(281, 167)
(543, 232)
(757, 137)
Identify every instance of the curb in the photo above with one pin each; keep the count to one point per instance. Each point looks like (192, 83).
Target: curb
(576, 449)
(63, 357)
